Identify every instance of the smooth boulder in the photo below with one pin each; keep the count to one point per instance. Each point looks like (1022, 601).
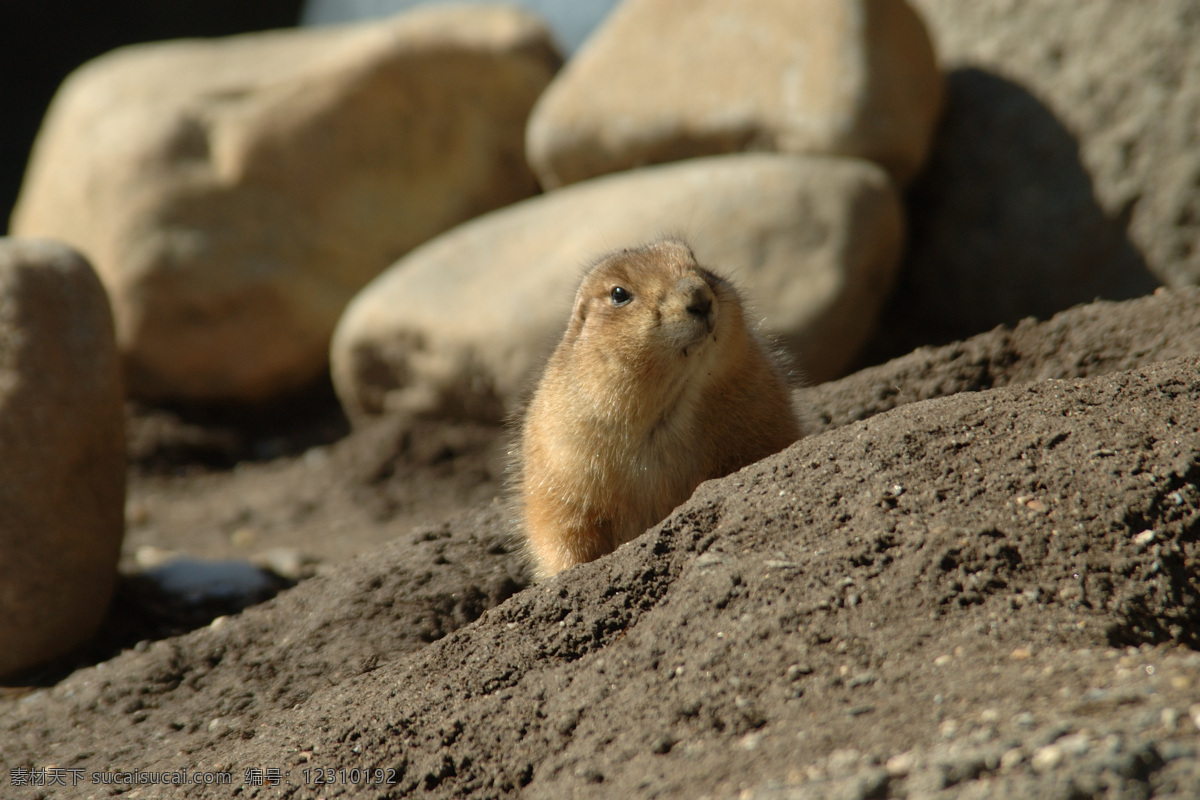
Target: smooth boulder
(62, 452)
(664, 80)
(235, 193)
(459, 327)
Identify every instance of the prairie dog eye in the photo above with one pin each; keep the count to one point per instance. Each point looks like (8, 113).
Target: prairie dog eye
(620, 295)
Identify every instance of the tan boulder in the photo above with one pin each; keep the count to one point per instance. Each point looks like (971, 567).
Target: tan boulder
(664, 80)
(235, 193)
(62, 452)
(460, 326)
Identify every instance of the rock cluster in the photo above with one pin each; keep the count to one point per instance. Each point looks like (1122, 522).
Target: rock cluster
(840, 100)
(62, 452)
(235, 193)
(458, 327)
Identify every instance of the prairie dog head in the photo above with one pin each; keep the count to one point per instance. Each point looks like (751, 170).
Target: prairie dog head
(649, 318)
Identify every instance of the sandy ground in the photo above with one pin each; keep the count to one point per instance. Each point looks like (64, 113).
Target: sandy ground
(977, 577)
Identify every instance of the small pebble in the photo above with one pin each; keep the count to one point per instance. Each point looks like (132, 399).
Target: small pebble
(1046, 758)
(1012, 758)
(797, 671)
(1077, 744)
(286, 562)
(899, 765)
(862, 679)
(751, 741)
(148, 556)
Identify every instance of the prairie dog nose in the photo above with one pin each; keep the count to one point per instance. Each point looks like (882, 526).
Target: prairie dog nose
(698, 297)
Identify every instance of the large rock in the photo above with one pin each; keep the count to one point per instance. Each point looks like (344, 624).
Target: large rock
(664, 80)
(1005, 222)
(1068, 166)
(1124, 79)
(235, 193)
(40, 45)
(62, 452)
(459, 327)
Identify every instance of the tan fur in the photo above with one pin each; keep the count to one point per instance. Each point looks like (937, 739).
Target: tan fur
(642, 402)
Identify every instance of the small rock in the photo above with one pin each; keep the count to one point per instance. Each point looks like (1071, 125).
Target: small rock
(286, 562)
(862, 679)
(899, 765)
(751, 741)
(1012, 758)
(797, 671)
(1076, 744)
(149, 557)
(1046, 758)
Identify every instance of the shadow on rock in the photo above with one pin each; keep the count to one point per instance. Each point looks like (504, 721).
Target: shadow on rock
(1004, 224)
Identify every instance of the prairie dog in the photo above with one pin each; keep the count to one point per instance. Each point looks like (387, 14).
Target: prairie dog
(657, 385)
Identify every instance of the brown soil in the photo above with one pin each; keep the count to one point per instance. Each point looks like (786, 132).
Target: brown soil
(977, 578)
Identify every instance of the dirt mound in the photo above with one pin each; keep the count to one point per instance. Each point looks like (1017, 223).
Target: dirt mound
(990, 594)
